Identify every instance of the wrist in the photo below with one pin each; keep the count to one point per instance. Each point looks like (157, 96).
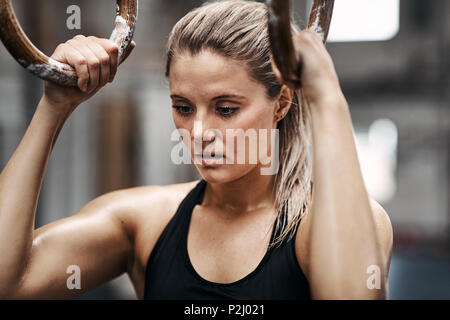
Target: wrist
(330, 102)
(56, 109)
(54, 115)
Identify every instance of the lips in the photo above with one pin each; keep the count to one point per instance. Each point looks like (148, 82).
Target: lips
(210, 160)
(209, 156)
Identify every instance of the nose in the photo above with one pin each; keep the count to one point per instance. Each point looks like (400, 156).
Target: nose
(197, 130)
(203, 134)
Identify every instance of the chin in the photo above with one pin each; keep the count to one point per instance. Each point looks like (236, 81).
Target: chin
(223, 173)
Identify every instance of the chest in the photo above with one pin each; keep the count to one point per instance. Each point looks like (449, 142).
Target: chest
(225, 251)
(221, 251)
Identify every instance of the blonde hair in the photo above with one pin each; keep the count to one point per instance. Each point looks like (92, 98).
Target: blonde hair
(238, 30)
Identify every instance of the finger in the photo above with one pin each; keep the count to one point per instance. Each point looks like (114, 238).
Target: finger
(113, 51)
(306, 48)
(308, 42)
(64, 53)
(303, 41)
(76, 60)
(318, 44)
(78, 43)
(317, 38)
(104, 59)
(59, 54)
(127, 54)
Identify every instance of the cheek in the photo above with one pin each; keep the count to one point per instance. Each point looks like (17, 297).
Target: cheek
(183, 129)
(257, 122)
(181, 123)
(257, 117)
(176, 119)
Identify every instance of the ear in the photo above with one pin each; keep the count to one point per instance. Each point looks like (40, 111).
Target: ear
(283, 104)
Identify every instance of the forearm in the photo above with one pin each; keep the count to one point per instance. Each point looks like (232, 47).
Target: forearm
(20, 184)
(343, 236)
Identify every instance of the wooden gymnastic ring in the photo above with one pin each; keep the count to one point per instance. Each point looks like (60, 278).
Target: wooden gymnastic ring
(279, 24)
(31, 58)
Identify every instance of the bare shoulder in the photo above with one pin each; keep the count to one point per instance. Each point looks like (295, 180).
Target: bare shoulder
(145, 212)
(141, 212)
(153, 204)
(110, 235)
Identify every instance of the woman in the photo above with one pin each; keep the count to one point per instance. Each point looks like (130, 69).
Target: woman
(236, 233)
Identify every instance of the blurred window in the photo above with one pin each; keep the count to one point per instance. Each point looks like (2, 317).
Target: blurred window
(377, 153)
(365, 20)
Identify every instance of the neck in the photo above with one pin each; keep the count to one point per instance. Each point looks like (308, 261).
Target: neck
(248, 193)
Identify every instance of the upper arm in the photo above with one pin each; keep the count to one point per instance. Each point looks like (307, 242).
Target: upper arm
(384, 232)
(95, 240)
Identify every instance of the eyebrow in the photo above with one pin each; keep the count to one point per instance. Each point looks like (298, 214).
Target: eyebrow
(224, 96)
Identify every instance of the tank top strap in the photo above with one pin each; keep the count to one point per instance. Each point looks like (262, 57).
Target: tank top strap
(170, 274)
(193, 198)
(196, 195)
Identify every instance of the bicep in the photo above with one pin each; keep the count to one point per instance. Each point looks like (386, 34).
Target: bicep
(93, 240)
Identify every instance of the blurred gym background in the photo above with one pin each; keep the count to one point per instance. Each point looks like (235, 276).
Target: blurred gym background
(392, 57)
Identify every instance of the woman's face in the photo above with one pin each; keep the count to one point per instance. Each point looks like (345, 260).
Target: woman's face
(215, 102)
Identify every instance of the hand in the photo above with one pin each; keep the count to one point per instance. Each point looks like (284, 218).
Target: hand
(319, 79)
(95, 61)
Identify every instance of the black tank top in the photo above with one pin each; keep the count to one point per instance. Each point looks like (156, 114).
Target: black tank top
(171, 276)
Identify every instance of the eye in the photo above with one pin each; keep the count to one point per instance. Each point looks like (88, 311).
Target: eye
(184, 111)
(226, 112)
